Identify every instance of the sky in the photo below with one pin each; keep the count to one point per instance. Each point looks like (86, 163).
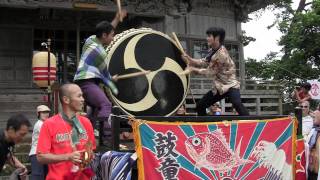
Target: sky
(266, 39)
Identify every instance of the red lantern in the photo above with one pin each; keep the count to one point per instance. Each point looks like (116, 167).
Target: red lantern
(40, 69)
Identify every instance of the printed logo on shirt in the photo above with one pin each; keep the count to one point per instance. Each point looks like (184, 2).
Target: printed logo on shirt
(63, 137)
(66, 137)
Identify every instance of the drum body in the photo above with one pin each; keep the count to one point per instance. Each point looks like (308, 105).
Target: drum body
(40, 69)
(159, 93)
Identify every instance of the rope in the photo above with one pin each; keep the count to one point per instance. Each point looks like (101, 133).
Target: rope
(194, 101)
(277, 66)
(287, 71)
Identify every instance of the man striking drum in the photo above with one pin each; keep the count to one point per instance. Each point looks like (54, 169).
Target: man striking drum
(92, 67)
(220, 67)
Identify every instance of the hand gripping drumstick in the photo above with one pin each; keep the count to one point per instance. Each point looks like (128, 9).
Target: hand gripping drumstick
(185, 72)
(130, 75)
(119, 9)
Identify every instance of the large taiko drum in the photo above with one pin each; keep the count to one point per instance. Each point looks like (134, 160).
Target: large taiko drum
(163, 90)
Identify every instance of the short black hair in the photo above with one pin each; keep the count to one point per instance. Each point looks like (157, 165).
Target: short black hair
(16, 121)
(64, 91)
(306, 86)
(103, 27)
(217, 31)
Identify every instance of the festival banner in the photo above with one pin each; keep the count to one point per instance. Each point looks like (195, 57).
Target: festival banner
(255, 149)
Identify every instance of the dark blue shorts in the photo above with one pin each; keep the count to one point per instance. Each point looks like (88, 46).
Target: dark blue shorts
(38, 170)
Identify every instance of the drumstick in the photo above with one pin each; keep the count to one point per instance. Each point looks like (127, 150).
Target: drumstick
(119, 9)
(185, 72)
(130, 75)
(175, 38)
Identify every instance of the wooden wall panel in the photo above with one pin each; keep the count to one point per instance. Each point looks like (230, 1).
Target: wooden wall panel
(15, 57)
(198, 24)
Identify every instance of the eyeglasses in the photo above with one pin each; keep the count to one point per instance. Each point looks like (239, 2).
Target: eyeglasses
(304, 106)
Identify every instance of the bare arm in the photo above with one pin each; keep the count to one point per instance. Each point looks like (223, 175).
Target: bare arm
(116, 19)
(55, 158)
(294, 93)
(232, 71)
(193, 61)
(13, 161)
(203, 71)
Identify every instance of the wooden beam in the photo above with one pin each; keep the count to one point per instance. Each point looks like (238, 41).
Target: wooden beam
(81, 5)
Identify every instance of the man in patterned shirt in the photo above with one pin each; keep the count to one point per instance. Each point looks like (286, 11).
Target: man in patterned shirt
(92, 68)
(219, 66)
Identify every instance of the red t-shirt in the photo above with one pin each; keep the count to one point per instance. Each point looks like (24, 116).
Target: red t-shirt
(302, 95)
(54, 138)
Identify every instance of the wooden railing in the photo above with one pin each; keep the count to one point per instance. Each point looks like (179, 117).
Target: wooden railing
(260, 97)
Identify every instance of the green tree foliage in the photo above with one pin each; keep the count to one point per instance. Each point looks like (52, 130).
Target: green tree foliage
(300, 59)
(301, 40)
(301, 45)
(264, 69)
(245, 40)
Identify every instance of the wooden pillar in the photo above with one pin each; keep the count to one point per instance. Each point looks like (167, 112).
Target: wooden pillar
(78, 37)
(258, 106)
(168, 25)
(223, 106)
(242, 75)
(65, 57)
(298, 114)
(280, 105)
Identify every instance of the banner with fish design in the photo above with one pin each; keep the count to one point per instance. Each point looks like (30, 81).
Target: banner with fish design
(263, 149)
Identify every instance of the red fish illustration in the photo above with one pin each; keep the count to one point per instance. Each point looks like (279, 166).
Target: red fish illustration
(211, 150)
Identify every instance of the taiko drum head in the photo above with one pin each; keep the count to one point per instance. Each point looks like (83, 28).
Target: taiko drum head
(163, 90)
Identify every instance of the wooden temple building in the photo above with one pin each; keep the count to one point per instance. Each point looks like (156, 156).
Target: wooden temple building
(25, 24)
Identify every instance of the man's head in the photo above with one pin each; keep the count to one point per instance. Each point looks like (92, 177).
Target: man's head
(43, 112)
(215, 107)
(305, 105)
(316, 118)
(71, 98)
(17, 127)
(306, 87)
(181, 110)
(215, 36)
(105, 32)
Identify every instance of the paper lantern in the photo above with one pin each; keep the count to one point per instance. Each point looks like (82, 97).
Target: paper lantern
(40, 69)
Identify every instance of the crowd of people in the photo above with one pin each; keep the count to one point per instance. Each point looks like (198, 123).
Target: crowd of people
(58, 142)
(310, 128)
(310, 132)
(213, 110)
(62, 143)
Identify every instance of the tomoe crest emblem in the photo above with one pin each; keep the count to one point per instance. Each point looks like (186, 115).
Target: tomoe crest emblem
(160, 92)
